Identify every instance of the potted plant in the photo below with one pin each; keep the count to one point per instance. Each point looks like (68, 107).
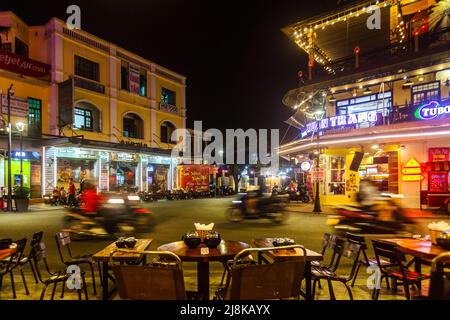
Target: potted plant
(21, 198)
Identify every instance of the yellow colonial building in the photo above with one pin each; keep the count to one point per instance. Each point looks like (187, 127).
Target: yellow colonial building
(93, 110)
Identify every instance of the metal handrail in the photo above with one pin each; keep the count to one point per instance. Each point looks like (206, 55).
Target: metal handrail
(245, 252)
(145, 252)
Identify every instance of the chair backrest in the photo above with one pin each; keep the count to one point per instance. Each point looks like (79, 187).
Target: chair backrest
(35, 239)
(15, 258)
(150, 282)
(338, 252)
(440, 278)
(329, 243)
(352, 251)
(275, 280)
(388, 251)
(63, 240)
(357, 239)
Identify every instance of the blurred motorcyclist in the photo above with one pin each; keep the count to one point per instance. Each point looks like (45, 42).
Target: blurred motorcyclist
(91, 199)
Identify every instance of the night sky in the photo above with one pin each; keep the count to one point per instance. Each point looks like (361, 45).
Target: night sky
(237, 61)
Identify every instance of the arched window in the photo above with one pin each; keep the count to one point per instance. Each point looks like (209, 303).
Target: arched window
(87, 117)
(167, 128)
(133, 126)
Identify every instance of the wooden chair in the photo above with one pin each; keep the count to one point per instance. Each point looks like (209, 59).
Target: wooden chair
(277, 280)
(156, 281)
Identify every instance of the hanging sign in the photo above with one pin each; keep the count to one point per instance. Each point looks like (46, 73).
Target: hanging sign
(134, 79)
(305, 166)
(22, 65)
(412, 171)
(19, 106)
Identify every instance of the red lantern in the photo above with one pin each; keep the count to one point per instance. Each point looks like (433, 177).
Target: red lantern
(357, 50)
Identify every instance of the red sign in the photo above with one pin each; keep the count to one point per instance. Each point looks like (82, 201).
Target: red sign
(24, 66)
(438, 154)
(195, 176)
(438, 182)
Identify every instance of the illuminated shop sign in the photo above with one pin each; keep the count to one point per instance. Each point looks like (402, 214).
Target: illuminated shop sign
(25, 155)
(412, 171)
(123, 156)
(341, 121)
(431, 110)
(305, 166)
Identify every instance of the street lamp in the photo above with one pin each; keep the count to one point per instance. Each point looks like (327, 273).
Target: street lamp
(318, 114)
(20, 127)
(10, 93)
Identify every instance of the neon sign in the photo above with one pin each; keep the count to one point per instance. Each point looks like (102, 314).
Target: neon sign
(340, 121)
(431, 110)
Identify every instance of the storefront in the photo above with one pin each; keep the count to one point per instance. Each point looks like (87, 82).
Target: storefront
(29, 162)
(436, 173)
(124, 172)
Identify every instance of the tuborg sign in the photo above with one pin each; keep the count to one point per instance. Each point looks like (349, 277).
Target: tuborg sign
(340, 121)
(431, 110)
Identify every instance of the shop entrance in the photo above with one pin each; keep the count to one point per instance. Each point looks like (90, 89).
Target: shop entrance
(123, 176)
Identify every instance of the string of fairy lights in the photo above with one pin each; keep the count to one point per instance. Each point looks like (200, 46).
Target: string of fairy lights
(304, 34)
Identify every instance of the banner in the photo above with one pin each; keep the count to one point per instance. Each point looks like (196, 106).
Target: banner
(19, 106)
(134, 79)
(24, 66)
(195, 177)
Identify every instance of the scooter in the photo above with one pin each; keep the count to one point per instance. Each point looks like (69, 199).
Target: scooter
(248, 206)
(119, 214)
(386, 216)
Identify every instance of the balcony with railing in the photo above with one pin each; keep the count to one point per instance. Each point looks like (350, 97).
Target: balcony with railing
(88, 85)
(163, 106)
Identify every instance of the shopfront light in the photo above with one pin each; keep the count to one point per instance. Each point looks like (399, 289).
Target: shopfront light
(20, 126)
(375, 147)
(133, 198)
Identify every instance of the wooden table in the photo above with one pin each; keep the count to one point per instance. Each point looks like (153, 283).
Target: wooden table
(283, 255)
(421, 250)
(103, 257)
(226, 250)
(5, 253)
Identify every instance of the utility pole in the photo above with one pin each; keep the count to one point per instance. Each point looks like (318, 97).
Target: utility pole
(10, 92)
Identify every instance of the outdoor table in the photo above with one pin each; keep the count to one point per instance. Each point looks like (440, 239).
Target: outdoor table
(421, 250)
(286, 254)
(224, 252)
(5, 253)
(103, 257)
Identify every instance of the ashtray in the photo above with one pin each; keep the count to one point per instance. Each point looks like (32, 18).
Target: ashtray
(280, 242)
(126, 243)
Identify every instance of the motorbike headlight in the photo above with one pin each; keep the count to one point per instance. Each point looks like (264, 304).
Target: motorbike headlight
(134, 198)
(116, 201)
(236, 201)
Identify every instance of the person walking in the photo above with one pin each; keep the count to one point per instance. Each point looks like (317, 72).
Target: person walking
(71, 199)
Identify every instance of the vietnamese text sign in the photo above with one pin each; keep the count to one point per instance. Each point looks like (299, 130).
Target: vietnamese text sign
(134, 79)
(19, 106)
(340, 121)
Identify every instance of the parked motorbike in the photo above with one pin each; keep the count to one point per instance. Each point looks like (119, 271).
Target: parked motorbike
(249, 205)
(386, 216)
(119, 214)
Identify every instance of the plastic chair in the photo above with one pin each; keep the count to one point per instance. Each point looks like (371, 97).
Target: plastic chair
(158, 281)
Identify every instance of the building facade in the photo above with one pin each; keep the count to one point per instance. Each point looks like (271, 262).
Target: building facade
(93, 110)
(375, 105)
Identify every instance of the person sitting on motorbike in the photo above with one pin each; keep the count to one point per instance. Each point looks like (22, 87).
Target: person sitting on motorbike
(56, 196)
(63, 194)
(275, 189)
(91, 200)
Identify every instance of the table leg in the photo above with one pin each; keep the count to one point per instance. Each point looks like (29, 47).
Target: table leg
(308, 280)
(203, 279)
(105, 281)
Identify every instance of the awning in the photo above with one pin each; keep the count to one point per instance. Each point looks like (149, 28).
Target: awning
(437, 166)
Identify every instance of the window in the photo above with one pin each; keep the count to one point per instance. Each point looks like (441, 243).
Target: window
(166, 132)
(143, 83)
(34, 116)
(21, 47)
(83, 119)
(125, 76)
(133, 126)
(426, 92)
(336, 175)
(168, 96)
(86, 68)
